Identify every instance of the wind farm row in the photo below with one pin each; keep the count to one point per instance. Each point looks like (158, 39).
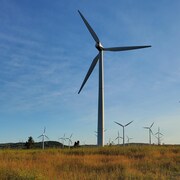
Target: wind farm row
(68, 142)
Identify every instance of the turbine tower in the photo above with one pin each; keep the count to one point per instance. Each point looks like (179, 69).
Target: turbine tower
(150, 132)
(123, 126)
(43, 137)
(96, 133)
(101, 49)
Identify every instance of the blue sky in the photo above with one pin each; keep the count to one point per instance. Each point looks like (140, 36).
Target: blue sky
(46, 50)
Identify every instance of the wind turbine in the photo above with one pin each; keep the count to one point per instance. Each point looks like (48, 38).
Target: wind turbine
(128, 138)
(69, 140)
(159, 136)
(63, 139)
(123, 126)
(118, 137)
(99, 56)
(111, 142)
(43, 137)
(150, 132)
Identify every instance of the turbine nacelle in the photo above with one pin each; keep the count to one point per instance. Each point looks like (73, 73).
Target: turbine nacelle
(99, 46)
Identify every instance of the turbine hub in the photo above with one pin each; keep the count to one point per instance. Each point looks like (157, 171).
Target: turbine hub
(99, 46)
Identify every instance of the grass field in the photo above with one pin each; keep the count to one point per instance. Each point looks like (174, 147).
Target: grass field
(129, 162)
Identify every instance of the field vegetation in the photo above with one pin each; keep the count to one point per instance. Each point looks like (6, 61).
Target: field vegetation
(116, 162)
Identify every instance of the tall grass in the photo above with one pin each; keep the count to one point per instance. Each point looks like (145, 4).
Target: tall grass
(129, 162)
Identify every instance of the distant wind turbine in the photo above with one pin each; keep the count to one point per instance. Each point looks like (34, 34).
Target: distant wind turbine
(128, 138)
(111, 142)
(159, 136)
(123, 126)
(150, 131)
(43, 137)
(101, 49)
(118, 137)
(69, 140)
(63, 139)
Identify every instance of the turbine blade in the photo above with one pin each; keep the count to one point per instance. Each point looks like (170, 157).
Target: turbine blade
(146, 127)
(46, 136)
(151, 125)
(95, 37)
(39, 136)
(151, 131)
(93, 64)
(44, 130)
(128, 123)
(118, 123)
(125, 48)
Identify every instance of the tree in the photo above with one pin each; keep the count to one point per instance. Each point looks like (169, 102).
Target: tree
(76, 144)
(29, 144)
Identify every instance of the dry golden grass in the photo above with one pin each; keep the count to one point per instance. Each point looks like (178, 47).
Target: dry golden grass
(130, 162)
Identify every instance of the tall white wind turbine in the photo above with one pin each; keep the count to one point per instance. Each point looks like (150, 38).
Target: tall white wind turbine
(99, 57)
(150, 131)
(123, 126)
(43, 137)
